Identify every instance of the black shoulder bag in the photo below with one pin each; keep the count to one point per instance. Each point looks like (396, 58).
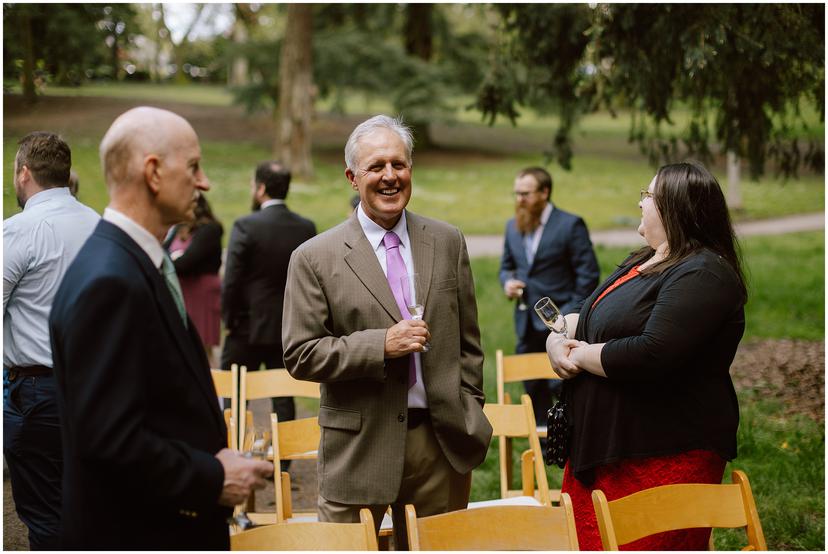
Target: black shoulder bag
(557, 432)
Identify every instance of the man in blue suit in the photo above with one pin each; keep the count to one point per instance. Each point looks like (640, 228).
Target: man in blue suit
(546, 252)
(145, 463)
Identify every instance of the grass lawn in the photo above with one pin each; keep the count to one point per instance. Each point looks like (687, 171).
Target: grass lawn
(783, 456)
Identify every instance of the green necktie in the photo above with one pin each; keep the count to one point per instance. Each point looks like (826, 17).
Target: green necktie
(168, 269)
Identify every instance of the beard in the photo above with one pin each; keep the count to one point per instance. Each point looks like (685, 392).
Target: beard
(528, 218)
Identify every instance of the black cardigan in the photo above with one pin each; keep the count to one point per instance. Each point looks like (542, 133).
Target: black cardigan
(670, 339)
(204, 253)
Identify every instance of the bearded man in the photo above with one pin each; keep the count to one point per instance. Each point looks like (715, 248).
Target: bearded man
(546, 252)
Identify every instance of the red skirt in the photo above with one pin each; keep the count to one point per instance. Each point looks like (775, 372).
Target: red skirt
(628, 476)
(202, 298)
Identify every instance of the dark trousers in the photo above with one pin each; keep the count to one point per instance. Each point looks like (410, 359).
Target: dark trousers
(541, 391)
(238, 351)
(32, 447)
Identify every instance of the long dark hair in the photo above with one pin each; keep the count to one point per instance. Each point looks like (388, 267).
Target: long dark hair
(694, 213)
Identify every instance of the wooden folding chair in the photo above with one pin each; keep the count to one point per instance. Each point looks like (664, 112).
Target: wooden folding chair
(270, 383)
(495, 528)
(513, 421)
(226, 383)
(682, 506)
(512, 369)
(310, 536)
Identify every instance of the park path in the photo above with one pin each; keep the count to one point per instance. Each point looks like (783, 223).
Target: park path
(492, 245)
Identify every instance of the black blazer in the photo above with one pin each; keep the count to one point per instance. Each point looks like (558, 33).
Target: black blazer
(564, 267)
(670, 339)
(139, 417)
(255, 272)
(204, 253)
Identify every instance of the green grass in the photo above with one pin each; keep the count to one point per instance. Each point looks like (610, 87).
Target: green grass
(467, 181)
(783, 456)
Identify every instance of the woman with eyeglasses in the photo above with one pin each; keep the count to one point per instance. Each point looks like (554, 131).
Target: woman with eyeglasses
(647, 359)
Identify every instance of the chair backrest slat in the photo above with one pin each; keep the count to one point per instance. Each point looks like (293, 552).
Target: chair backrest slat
(310, 536)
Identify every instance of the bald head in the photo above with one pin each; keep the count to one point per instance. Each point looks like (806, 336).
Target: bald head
(136, 134)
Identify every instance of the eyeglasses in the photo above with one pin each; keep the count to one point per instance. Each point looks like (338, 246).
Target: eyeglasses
(646, 194)
(524, 194)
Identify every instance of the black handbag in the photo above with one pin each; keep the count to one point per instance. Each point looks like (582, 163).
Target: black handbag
(557, 434)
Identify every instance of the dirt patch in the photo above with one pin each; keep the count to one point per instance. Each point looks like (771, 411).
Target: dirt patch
(792, 371)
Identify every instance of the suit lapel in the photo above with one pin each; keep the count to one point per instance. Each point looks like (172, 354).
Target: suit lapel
(518, 247)
(422, 252)
(363, 262)
(183, 339)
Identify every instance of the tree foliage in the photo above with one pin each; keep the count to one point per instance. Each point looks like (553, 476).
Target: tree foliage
(741, 70)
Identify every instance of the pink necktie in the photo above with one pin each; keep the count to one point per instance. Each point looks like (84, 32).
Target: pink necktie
(396, 271)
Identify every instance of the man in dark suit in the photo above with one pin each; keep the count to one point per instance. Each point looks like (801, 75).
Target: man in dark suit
(546, 252)
(254, 277)
(145, 463)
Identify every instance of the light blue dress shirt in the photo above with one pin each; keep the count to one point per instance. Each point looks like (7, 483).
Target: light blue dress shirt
(38, 245)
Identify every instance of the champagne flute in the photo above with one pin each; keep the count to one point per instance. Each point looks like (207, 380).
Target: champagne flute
(256, 444)
(521, 302)
(551, 315)
(412, 289)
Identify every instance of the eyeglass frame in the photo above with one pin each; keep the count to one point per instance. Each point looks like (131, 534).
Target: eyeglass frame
(646, 194)
(524, 193)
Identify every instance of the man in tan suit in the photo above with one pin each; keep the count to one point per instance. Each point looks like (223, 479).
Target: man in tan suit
(399, 425)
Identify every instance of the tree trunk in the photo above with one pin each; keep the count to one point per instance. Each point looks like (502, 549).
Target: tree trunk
(734, 188)
(29, 93)
(293, 140)
(237, 75)
(419, 43)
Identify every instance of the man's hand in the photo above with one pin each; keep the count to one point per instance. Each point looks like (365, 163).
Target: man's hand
(242, 476)
(407, 336)
(513, 288)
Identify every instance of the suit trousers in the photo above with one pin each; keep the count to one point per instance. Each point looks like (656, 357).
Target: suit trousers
(541, 391)
(237, 350)
(428, 482)
(32, 447)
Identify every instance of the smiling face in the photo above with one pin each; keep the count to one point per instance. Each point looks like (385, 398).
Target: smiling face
(651, 227)
(382, 176)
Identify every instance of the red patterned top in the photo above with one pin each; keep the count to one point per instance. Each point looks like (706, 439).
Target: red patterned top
(618, 282)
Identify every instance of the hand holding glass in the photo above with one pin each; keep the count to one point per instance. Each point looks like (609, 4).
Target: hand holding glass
(551, 316)
(256, 445)
(521, 302)
(412, 289)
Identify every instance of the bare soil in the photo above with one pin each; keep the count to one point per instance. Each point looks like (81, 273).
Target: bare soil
(792, 371)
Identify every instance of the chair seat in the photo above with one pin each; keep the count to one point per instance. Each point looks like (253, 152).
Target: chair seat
(269, 518)
(554, 495)
(513, 501)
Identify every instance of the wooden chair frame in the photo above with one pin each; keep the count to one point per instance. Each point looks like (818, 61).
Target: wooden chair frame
(682, 506)
(226, 383)
(495, 528)
(513, 421)
(515, 368)
(310, 536)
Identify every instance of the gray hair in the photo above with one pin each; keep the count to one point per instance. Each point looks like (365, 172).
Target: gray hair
(371, 125)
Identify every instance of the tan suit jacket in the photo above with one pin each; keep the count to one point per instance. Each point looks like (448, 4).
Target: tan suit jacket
(338, 306)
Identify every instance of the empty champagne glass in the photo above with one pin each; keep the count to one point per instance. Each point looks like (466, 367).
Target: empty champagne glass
(412, 289)
(256, 444)
(521, 302)
(551, 315)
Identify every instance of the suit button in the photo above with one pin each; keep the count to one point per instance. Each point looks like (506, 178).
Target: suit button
(401, 417)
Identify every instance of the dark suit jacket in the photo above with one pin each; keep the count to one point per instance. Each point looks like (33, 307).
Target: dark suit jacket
(139, 414)
(564, 268)
(338, 307)
(256, 270)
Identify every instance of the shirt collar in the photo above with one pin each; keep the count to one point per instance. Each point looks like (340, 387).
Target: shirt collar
(144, 238)
(374, 233)
(273, 202)
(547, 211)
(46, 195)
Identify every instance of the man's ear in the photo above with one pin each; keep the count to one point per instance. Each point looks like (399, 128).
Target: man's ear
(350, 176)
(25, 175)
(152, 173)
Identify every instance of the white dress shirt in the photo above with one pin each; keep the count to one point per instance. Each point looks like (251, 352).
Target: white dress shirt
(144, 238)
(375, 234)
(39, 244)
(531, 241)
(273, 202)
